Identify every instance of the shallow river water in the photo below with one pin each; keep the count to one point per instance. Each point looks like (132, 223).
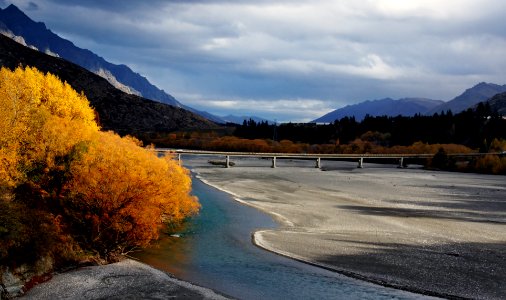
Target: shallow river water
(215, 251)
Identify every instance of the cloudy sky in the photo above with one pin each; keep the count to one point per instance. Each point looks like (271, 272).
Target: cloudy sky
(290, 60)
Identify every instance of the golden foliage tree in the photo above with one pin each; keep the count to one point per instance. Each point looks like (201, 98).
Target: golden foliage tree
(42, 118)
(120, 194)
(94, 190)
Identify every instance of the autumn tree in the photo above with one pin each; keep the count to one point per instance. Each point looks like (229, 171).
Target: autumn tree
(42, 120)
(121, 194)
(87, 191)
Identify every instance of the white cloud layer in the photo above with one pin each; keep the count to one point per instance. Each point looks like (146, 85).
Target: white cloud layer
(333, 52)
(282, 110)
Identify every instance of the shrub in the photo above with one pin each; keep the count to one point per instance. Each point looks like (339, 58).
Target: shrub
(490, 164)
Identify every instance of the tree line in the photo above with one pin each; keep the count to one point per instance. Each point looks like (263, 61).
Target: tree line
(475, 128)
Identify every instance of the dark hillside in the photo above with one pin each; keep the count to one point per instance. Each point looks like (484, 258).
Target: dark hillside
(118, 111)
(38, 35)
(498, 103)
(472, 96)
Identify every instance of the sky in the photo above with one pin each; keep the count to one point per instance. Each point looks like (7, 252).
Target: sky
(290, 60)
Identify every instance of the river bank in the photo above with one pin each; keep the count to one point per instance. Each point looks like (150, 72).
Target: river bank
(127, 279)
(435, 233)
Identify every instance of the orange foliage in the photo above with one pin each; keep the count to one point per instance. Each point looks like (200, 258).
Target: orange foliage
(34, 108)
(498, 145)
(122, 194)
(490, 164)
(420, 147)
(94, 190)
(370, 142)
(231, 143)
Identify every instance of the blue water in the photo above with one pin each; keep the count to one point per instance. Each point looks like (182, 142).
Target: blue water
(215, 251)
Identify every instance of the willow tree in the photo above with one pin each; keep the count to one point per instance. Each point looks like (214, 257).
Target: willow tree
(99, 193)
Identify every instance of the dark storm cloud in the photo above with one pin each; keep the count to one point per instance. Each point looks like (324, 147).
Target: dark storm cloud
(111, 5)
(32, 6)
(230, 55)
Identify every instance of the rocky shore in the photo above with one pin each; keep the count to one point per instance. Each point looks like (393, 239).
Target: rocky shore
(127, 279)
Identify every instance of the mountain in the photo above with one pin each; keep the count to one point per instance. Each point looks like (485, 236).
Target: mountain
(381, 107)
(6, 31)
(240, 119)
(478, 93)
(122, 77)
(206, 115)
(498, 103)
(118, 111)
(37, 34)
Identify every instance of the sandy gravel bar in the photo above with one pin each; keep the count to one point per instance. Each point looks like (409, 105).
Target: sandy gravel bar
(127, 279)
(436, 233)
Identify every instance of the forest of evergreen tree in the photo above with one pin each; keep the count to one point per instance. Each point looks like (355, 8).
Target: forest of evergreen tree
(475, 128)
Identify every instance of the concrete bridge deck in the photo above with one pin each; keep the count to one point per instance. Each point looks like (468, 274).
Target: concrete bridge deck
(317, 157)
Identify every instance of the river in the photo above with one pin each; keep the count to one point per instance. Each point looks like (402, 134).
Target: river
(215, 250)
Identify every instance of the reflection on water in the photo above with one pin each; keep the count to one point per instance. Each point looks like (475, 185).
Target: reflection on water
(215, 251)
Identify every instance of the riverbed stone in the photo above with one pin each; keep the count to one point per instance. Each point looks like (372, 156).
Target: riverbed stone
(13, 285)
(127, 279)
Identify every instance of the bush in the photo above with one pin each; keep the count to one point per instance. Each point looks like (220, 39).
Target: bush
(32, 242)
(492, 164)
(440, 160)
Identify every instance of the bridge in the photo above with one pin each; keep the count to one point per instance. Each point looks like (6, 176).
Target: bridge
(317, 157)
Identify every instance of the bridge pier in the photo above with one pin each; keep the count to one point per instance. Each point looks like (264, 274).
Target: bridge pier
(318, 163)
(227, 161)
(179, 159)
(273, 162)
(401, 163)
(360, 163)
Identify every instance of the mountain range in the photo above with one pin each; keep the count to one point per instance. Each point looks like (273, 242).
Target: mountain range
(472, 96)
(16, 24)
(20, 28)
(411, 106)
(36, 34)
(382, 107)
(124, 113)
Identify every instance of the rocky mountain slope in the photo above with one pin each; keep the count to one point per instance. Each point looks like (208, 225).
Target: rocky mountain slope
(118, 111)
(122, 77)
(38, 35)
